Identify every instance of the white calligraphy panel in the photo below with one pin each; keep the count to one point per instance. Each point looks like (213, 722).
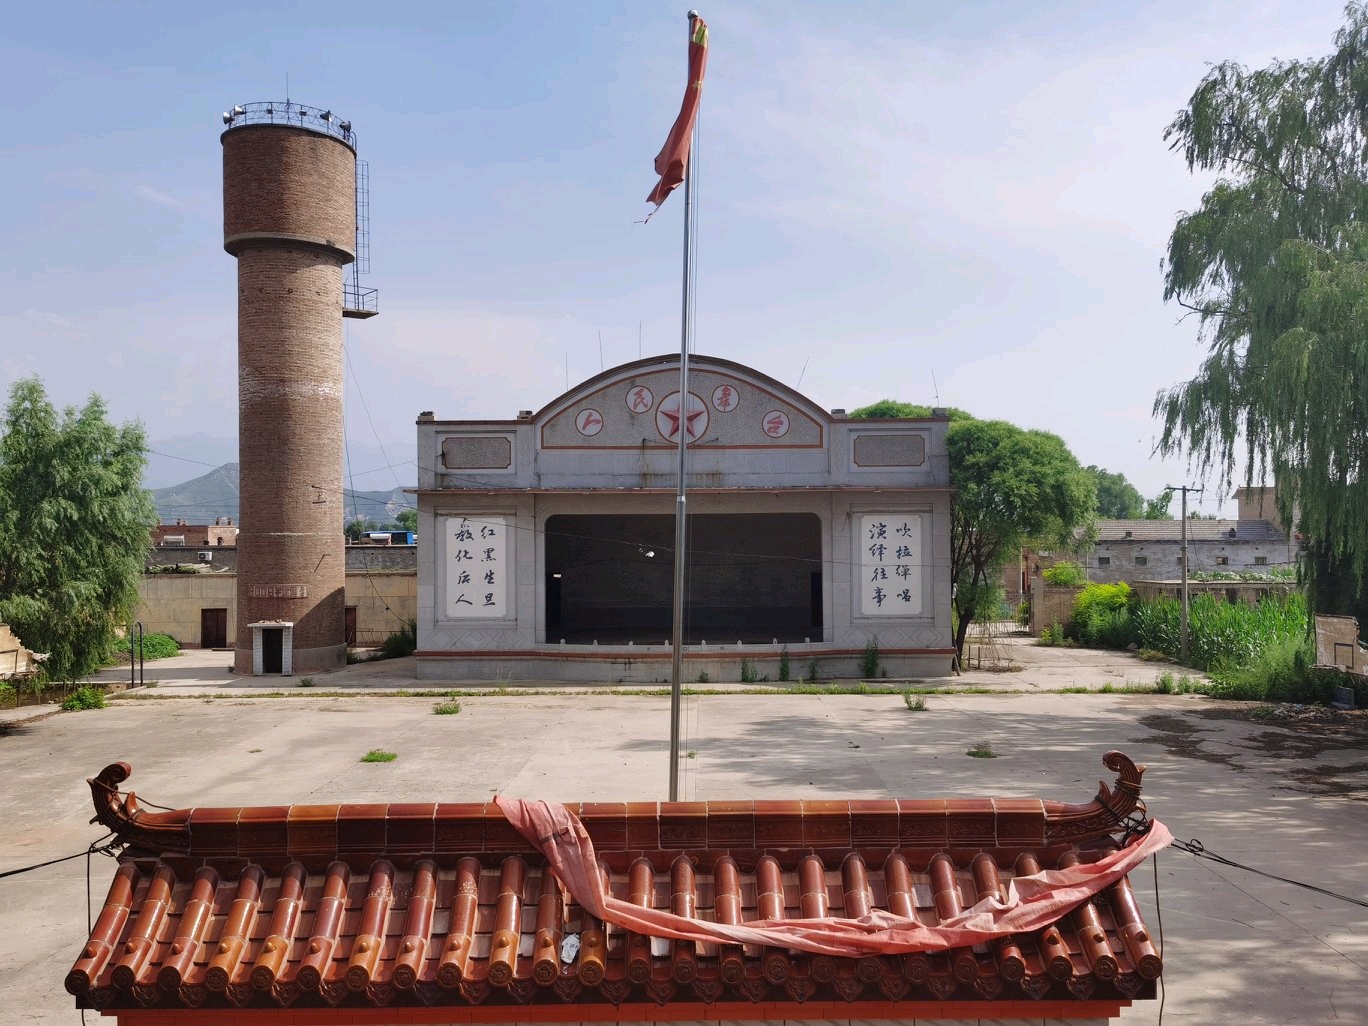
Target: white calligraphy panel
(890, 564)
(477, 567)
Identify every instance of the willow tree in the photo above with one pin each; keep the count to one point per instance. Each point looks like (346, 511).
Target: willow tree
(75, 526)
(1274, 265)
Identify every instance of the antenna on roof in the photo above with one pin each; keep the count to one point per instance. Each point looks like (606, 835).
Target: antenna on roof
(638, 340)
(600, 349)
(935, 388)
(801, 373)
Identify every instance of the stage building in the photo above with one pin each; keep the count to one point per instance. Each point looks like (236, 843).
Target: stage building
(546, 543)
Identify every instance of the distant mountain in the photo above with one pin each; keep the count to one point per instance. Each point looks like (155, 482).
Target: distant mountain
(216, 494)
(371, 466)
(200, 500)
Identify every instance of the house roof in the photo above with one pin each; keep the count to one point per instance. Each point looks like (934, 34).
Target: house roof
(1112, 531)
(443, 906)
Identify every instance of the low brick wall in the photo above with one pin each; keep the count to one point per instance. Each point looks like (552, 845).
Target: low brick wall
(1051, 603)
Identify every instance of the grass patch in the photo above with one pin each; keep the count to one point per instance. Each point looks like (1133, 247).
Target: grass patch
(450, 708)
(84, 698)
(982, 750)
(306, 682)
(1153, 655)
(379, 755)
(914, 703)
(691, 754)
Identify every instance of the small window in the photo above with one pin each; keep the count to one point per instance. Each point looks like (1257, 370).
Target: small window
(1223, 561)
(1261, 561)
(1142, 561)
(1104, 560)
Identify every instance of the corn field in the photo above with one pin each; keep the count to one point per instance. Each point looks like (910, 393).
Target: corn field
(1222, 635)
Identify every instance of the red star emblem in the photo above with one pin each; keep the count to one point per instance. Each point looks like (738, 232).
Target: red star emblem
(673, 418)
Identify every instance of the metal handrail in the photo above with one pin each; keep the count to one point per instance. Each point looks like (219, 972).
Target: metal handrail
(354, 297)
(284, 112)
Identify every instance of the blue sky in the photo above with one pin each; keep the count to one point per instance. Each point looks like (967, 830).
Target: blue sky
(888, 192)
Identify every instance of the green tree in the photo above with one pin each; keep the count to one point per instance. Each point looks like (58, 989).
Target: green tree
(1011, 488)
(358, 527)
(1157, 508)
(1117, 498)
(75, 526)
(1274, 264)
(886, 409)
(407, 519)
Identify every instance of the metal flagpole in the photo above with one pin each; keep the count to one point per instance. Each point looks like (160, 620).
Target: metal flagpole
(685, 333)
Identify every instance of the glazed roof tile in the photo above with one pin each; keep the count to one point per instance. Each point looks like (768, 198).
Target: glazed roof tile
(443, 905)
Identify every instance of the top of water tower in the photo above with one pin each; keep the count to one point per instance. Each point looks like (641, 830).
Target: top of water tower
(292, 115)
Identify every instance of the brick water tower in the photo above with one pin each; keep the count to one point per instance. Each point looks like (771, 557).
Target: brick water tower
(293, 216)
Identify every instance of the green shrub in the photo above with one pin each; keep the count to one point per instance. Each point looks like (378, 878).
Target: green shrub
(85, 697)
(450, 708)
(155, 646)
(306, 682)
(1097, 619)
(1064, 574)
(403, 642)
(749, 675)
(1023, 614)
(379, 755)
(914, 703)
(784, 663)
(869, 659)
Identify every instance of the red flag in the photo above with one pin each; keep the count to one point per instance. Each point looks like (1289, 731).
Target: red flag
(674, 155)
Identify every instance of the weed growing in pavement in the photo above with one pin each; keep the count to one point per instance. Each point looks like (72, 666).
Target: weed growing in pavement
(914, 703)
(982, 750)
(869, 661)
(450, 708)
(379, 755)
(692, 754)
(306, 682)
(84, 698)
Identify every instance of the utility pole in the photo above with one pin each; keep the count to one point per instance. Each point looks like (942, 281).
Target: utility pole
(1183, 558)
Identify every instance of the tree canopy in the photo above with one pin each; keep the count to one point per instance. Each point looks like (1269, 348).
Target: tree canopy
(1274, 264)
(886, 409)
(1117, 498)
(75, 526)
(1012, 487)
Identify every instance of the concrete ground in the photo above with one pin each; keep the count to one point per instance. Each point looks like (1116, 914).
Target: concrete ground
(1285, 794)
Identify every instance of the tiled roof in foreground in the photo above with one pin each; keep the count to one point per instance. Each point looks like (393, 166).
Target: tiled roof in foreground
(390, 910)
